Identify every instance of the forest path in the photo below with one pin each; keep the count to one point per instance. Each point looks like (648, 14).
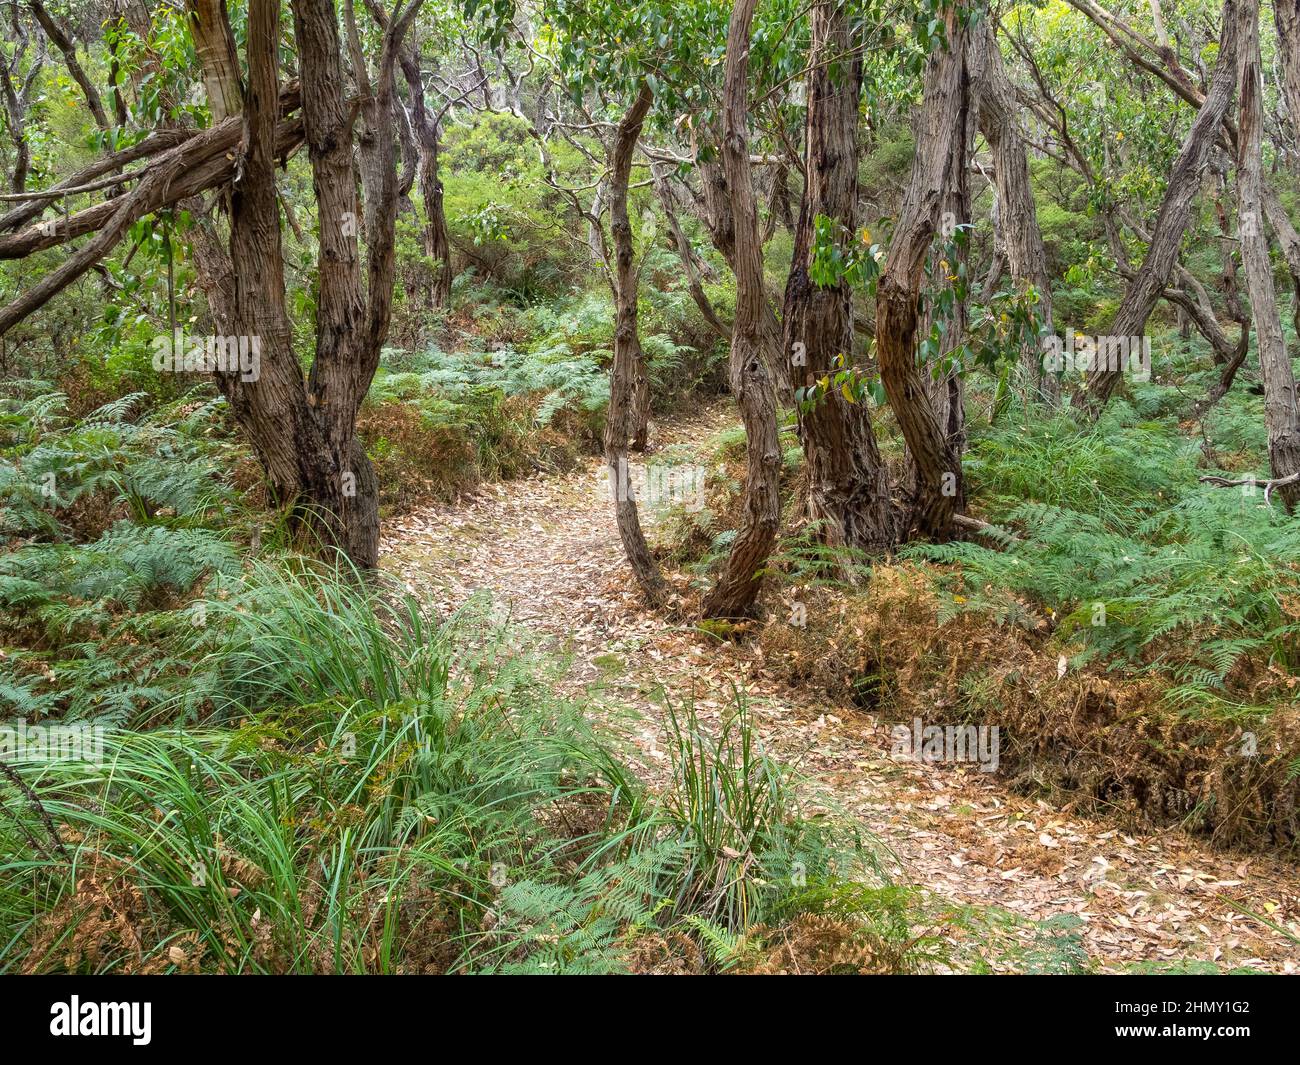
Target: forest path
(547, 550)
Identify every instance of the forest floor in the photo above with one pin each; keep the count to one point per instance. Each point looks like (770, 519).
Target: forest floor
(547, 551)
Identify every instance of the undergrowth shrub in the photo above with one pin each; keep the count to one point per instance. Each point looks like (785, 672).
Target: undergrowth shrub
(371, 791)
(1133, 631)
(114, 520)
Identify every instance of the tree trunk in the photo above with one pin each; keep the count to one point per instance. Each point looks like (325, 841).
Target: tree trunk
(1280, 411)
(17, 91)
(426, 128)
(349, 328)
(1286, 16)
(690, 260)
(1227, 269)
(272, 410)
(946, 388)
(1017, 214)
(214, 43)
(115, 75)
(737, 588)
(939, 487)
(304, 434)
(848, 490)
(628, 363)
(719, 205)
(64, 43)
(437, 244)
(1289, 241)
(1149, 282)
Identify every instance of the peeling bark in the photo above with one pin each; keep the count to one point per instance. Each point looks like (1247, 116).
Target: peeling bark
(1280, 411)
(738, 585)
(214, 44)
(628, 368)
(939, 487)
(848, 489)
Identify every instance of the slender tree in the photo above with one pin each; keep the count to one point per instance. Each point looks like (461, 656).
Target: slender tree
(627, 373)
(61, 38)
(1281, 414)
(738, 586)
(16, 87)
(1151, 277)
(426, 123)
(1017, 213)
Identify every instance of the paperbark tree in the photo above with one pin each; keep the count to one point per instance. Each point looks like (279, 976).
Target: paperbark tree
(628, 368)
(214, 43)
(946, 387)
(938, 490)
(1017, 212)
(1281, 414)
(1153, 275)
(718, 205)
(848, 487)
(304, 432)
(738, 585)
(426, 123)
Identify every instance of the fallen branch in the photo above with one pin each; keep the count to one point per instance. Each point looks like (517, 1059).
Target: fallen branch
(35, 803)
(1258, 482)
(72, 190)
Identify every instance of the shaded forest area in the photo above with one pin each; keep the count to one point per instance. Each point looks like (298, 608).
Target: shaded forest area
(565, 486)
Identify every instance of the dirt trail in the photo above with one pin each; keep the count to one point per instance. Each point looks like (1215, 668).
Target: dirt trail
(548, 552)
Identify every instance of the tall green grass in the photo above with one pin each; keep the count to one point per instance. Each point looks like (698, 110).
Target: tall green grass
(374, 792)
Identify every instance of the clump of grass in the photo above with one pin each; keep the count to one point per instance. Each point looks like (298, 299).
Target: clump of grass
(374, 792)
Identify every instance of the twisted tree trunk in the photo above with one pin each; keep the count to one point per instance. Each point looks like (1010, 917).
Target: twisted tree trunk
(848, 487)
(629, 364)
(1152, 276)
(939, 491)
(737, 588)
(304, 432)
